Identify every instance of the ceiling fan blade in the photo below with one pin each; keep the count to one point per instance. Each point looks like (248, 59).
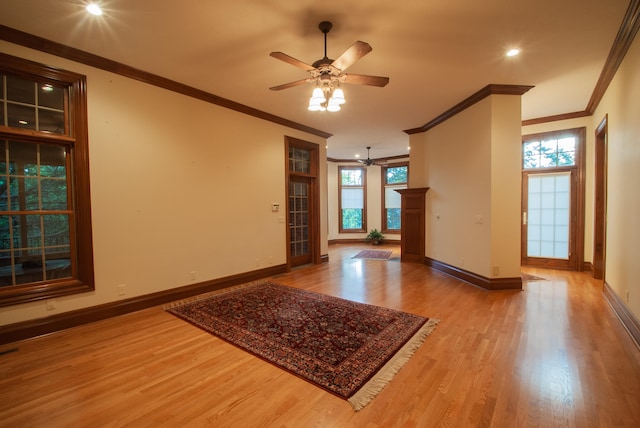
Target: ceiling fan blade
(361, 79)
(290, 84)
(351, 55)
(291, 60)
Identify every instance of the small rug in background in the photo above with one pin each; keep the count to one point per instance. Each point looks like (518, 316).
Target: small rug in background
(348, 348)
(373, 254)
(527, 277)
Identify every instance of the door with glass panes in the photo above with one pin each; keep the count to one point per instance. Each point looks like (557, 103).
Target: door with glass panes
(302, 203)
(551, 200)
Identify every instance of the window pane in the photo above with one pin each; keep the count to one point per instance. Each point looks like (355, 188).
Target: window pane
(351, 177)
(51, 96)
(52, 161)
(549, 153)
(51, 121)
(352, 219)
(24, 158)
(566, 158)
(567, 144)
(352, 198)
(54, 195)
(392, 198)
(19, 116)
(396, 175)
(21, 90)
(393, 218)
(299, 160)
(56, 233)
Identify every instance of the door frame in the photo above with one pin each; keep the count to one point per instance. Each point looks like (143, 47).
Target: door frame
(314, 197)
(577, 213)
(600, 199)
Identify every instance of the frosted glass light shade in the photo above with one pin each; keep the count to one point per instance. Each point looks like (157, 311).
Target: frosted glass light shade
(338, 97)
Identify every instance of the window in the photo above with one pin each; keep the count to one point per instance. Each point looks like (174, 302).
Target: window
(352, 191)
(549, 153)
(395, 176)
(45, 220)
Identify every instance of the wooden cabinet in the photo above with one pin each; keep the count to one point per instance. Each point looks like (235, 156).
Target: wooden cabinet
(412, 241)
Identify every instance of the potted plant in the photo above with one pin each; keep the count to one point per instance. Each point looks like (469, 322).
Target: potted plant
(375, 237)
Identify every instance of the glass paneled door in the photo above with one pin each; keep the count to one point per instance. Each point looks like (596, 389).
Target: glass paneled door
(299, 232)
(548, 234)
(303, 194)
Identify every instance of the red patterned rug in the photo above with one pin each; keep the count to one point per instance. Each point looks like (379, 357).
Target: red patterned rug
(373, 254)
(350, 349)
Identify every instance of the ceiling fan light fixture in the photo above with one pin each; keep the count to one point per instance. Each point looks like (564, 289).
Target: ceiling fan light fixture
(333, 106)
(328, 74)
(315, 106)
(317, 100)
(337, 97)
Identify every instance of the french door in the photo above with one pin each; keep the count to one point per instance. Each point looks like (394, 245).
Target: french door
(303, 210)
(299, 225)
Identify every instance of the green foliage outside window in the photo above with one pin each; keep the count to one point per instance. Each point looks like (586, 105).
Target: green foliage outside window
(549, 153)
(352, 218)
(351, 177)
(396, 175)
(393, 218)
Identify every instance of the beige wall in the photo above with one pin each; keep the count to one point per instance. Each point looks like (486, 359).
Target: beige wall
(621, 104)
(177, 186)
(471, 165)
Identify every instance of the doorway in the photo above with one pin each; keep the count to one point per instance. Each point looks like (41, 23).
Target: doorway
(303, 194)
(553, 199)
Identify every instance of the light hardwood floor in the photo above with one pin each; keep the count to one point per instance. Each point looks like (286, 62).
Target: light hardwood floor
(553, 355)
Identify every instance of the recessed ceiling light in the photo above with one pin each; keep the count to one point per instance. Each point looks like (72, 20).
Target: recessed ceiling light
(94, 9)
(513, 52)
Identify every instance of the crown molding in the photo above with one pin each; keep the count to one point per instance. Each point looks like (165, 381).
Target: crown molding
(63, 51)
(492, 89)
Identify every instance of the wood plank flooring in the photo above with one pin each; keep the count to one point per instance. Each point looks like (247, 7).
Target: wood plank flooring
(553, 355)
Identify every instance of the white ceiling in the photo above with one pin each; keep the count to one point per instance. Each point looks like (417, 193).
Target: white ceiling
(435, 52)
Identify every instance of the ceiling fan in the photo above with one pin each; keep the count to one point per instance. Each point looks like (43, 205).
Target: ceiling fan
(368, 161)
(327, 73)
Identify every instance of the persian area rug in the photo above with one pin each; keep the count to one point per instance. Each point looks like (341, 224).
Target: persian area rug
(527, 277)
(350, 349)
(373, 254)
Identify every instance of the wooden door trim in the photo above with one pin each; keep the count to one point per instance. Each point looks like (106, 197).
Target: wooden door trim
(577, 246)
(314, 197)
(600, 200)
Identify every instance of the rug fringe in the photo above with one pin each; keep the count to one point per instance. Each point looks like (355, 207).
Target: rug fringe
(375, 385)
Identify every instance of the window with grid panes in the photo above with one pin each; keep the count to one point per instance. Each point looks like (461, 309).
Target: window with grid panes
(394, 177)
(45, 222)
(352, 191)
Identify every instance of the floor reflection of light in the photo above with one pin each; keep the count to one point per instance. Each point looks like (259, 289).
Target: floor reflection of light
(551, 380)
(354, 284)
